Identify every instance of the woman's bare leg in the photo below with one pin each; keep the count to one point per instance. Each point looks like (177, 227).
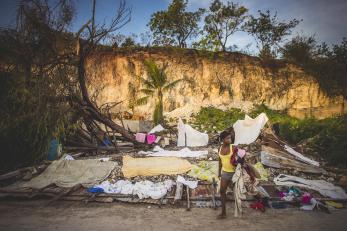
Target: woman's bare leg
(223, 196)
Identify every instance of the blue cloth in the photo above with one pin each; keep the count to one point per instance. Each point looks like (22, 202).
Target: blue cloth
(106, 142)
(95, 190)
(294, 191)
(53, 150)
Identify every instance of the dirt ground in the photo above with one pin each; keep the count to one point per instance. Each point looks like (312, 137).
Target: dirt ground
(35, 215)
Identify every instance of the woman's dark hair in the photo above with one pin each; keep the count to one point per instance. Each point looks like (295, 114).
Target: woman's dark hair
(226, 133)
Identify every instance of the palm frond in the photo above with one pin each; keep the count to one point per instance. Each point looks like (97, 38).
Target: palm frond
(155, 74)
(146, 82)
(152, 69)
(142, 101)
(148, 92)
(171, 85)
(163, 77)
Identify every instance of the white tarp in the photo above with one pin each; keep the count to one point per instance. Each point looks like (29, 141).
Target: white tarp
(188, 136)
(324, 188)
(184, 152)
(157, 128)
(299, 156)
(248, 130)
(143, 189)
(190, 183)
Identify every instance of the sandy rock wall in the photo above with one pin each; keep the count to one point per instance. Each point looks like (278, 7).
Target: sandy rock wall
(232, 81)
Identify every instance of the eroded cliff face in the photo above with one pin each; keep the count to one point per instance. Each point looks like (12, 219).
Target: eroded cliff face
(233, 80)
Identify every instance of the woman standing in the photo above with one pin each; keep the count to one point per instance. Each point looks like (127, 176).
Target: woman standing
(227, 163)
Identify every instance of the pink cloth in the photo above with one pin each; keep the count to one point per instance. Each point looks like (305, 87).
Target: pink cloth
(151, 138)
(241, 152)
(140, 137)
(306, 198)
(281, 194)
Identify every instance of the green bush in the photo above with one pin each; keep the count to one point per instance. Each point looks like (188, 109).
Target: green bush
(210, 117)
(27, 123)
(327, 137)
(331, 141)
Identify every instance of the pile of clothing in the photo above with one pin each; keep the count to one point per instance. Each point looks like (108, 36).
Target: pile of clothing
(143, 189)
(143, 137)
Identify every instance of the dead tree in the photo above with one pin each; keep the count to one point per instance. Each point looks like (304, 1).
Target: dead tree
(86, 46)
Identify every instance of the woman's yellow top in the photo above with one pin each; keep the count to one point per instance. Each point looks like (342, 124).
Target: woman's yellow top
(225, 159)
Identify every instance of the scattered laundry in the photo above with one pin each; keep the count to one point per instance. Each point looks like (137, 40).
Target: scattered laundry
(185, 152)
(264, 173)
(241, 152)
(244, 185)
(143, 189)
(290, 194)
(239, 190)
(306, 198)
(188, 136)
(152, 166)
(248, 130)
(321, 186)
(67, 173)
(140, 137)
(190, 183)
(151, 138)
(160, 170)
(258, 205)
(95, 190)
(205, 170)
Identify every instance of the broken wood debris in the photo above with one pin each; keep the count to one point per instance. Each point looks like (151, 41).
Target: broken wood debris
(278, 159)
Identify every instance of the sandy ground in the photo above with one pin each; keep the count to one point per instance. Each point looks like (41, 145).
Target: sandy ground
(35, 215)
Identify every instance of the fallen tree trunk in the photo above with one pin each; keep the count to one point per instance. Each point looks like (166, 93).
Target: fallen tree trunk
(87, 104)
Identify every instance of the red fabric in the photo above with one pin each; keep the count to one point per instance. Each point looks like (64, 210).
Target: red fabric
(257, 205)
(233, 156)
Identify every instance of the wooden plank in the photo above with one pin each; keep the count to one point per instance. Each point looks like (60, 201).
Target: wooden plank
(65, 193)
(277, 159)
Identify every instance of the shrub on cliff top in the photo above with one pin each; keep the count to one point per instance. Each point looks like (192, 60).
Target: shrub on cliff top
(326, 137)
(211, 118)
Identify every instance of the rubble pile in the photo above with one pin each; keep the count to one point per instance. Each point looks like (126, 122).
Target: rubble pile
(269, 155)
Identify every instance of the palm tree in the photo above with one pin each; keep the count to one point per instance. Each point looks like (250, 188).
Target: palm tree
(155, 86)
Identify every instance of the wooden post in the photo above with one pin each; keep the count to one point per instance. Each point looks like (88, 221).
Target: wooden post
(188, 200)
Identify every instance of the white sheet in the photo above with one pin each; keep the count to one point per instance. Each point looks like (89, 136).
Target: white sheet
(190, 183)
(143, 189)
(184, 153)
(188, 136)
(248, 130)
